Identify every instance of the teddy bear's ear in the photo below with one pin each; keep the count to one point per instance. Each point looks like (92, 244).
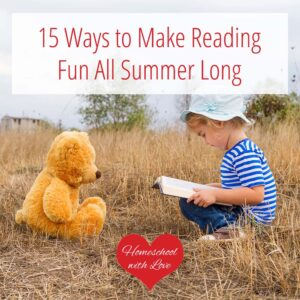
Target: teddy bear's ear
(69, 148)
(70, 159)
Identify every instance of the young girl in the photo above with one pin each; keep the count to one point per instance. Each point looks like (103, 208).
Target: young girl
(247, 181)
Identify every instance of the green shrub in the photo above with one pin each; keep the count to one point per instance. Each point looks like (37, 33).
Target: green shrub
(273, 108)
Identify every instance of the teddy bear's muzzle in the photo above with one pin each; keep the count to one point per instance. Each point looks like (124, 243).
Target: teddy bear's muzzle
(98, 174)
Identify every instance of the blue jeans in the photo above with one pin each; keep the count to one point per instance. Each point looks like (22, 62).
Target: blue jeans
(212, 217)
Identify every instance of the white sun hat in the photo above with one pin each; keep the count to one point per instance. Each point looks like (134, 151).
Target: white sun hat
(217, 107)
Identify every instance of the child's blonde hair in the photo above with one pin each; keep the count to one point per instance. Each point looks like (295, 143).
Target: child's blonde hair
(193, 119)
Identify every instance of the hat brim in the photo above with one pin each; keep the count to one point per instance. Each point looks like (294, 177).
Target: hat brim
(225, 117)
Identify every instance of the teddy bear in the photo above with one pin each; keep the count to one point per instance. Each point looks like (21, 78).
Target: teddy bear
(52, 204)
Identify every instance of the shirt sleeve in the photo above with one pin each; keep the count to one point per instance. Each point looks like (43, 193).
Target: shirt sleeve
(248, 167)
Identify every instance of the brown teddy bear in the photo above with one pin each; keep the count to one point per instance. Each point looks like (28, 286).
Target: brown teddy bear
(52, 204)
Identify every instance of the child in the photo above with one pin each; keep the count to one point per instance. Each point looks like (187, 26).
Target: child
(247, 181)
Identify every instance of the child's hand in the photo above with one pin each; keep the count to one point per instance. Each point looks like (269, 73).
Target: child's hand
(203, 197)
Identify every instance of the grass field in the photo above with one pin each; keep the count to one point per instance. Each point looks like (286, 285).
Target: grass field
(265, 265)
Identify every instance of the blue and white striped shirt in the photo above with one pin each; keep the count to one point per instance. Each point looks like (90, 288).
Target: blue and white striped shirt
(245, 165)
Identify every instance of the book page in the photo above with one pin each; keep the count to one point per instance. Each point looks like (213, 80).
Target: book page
(181, 188)
(186, 185)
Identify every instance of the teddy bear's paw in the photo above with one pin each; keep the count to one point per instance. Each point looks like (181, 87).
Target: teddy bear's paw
(60, 216)
(95, 200)
(88, 222)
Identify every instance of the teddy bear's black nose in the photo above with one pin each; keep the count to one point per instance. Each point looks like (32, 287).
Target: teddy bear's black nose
(98, 174)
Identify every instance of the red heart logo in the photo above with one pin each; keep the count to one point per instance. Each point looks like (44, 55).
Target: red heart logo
(150, 263)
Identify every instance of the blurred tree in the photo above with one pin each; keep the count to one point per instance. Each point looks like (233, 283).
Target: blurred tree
(272, 108)
(60, 126)
(183, 102)
(116, 111)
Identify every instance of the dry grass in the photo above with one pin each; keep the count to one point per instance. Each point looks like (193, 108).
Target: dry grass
(266, 265)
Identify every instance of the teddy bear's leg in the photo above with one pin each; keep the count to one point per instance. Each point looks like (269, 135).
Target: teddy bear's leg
(94, 200)
(89, 221)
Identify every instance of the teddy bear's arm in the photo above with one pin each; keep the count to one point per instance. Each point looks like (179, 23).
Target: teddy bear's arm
(57, 203)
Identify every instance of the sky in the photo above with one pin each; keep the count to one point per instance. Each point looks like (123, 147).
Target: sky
(65, 107)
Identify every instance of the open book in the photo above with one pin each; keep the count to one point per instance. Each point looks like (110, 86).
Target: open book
(180, 188)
